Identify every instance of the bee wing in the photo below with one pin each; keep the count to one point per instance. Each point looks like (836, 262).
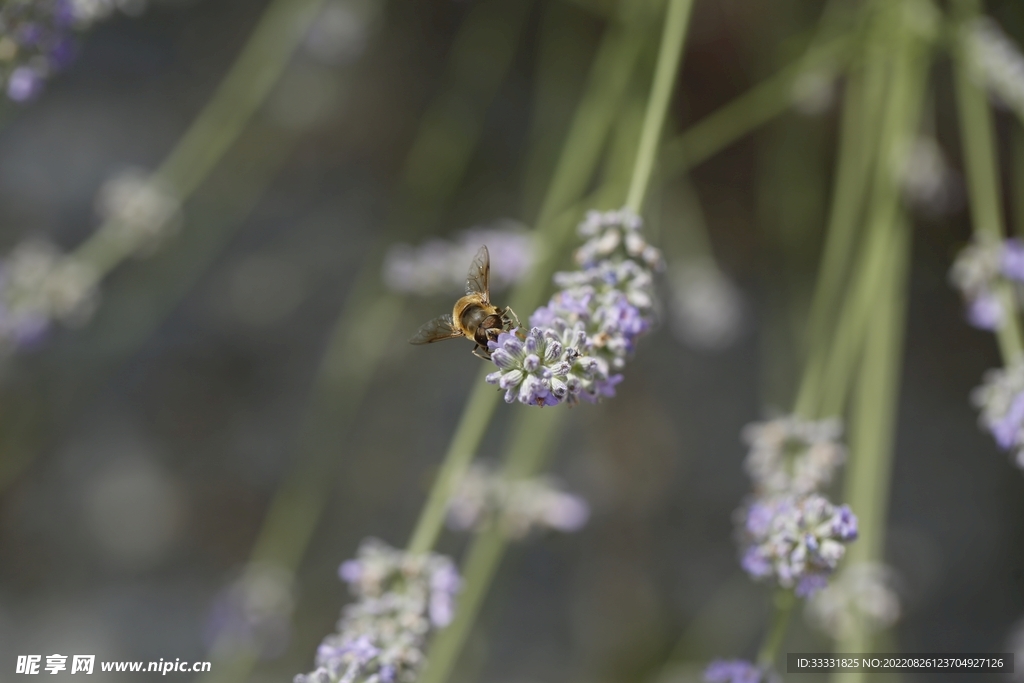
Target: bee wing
(438, 329)
(479, 279)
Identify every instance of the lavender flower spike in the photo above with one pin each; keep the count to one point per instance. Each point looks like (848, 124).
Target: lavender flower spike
(1001, 400)
(589, 329)
(517, 506)
(796, 541)
(979, 270)
(736, 671)
(37, 39)
(400, 600)
(40, 286)
(864, 595)
(790, 455)
(439, 266)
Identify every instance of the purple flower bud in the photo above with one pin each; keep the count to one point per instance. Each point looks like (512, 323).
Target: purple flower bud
(733, 671)
(985, 311)
(1013, 259)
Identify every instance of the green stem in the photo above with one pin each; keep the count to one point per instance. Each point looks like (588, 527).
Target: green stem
(450, 128)
(747, 112)
(785, 601)
(669, 56)
(873, 420)
(531, 444)
(1018, 181)
(283, 25)
(982, 170)
(607, 83)
(853, 170)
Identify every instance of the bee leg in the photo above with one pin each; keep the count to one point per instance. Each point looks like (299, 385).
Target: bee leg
(513, 318)
(481, 353)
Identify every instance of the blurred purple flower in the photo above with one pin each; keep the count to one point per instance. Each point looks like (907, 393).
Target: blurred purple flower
(980, 269)
(37, 39)
(1001, 401)
(253, 614)
(439, 266)
(1012, 264)
(734, 671)
(517, 506)
(400, 599)
(797, 540)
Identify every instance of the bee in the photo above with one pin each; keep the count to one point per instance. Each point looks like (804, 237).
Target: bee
(473, 316)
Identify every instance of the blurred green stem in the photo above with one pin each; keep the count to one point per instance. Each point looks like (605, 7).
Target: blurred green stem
(670, 55)
(532, 441)
(981, 164)
(862, 102)
(613, 66)
(1018, 181)
(784, 601)
(250, 79)
(873, 424)
(761, 104)
(874, 413)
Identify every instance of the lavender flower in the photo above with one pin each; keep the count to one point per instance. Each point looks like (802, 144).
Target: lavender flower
(610, 232)
(138, 209)
(863, 595)
(549, 366)
(516, 506)
(790, 455)
(997, 62)
(736, 671)
(439, 266)
(253, 613)
(979, 270)
(339, 35)
(37, 39)
(400, 600)
(38, 286)
(797, 541)
(589, 329)
(926, 179)
(814, 91)
(706, 310)
(1001, 401)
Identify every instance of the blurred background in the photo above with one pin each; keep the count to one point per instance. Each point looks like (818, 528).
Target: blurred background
(142, 450)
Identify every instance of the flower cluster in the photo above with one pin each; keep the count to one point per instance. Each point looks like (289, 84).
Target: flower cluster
(400, 600)
(37, 39)
(253, 613)
(863, 595)
(39, 285)
(583, 337)
(138, 209)
(439, 266)
(790, 455)
(789, 531)
(515, 506)
(1001, 401)
(706, 309)
(797, 540)
(997, 62)
(979, 270)
(737, 671)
